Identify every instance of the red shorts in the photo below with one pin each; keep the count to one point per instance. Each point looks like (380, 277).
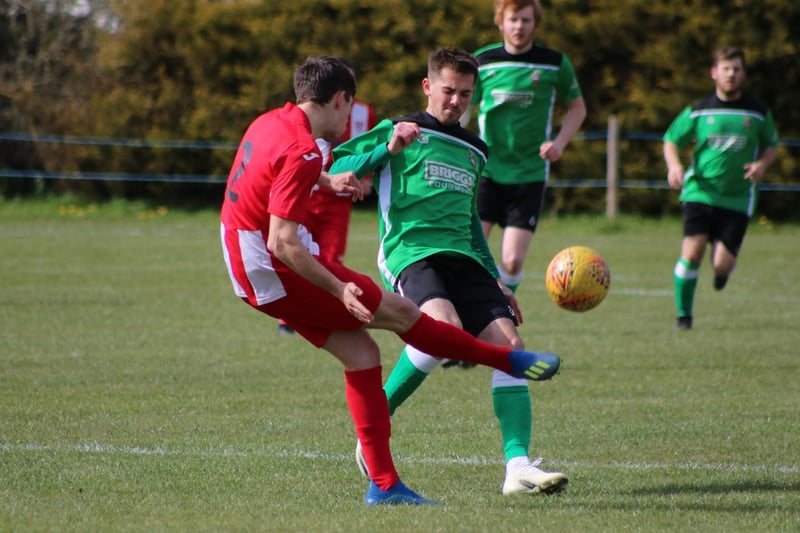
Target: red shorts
(314, 313)
(328, 220)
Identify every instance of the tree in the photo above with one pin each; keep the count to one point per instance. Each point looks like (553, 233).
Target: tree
(47, 51)
(202, 69)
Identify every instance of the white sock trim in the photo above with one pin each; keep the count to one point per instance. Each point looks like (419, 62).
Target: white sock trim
(501, 379)
(508, 279)
(422, 361)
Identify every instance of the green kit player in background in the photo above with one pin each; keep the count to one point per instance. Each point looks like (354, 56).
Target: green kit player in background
(433, 250)
(519, 83)
(735, 141)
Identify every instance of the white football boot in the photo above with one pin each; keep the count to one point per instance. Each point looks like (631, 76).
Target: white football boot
(531, 480)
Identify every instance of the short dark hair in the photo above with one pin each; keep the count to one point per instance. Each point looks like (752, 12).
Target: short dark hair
(726, 53)
(319, 78)
(456, 59)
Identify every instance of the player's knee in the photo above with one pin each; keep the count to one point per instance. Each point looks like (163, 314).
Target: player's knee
(512, 265)
(396, 312)
(694, 258)
(723, 270)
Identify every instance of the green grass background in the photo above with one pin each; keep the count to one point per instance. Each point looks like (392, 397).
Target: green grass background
(138, 394)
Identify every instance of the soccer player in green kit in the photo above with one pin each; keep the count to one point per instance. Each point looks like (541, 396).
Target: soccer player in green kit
(433, 251)
(735, 141)
(519, 83)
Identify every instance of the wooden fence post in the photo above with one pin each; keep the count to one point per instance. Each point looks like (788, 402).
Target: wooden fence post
(612, 168)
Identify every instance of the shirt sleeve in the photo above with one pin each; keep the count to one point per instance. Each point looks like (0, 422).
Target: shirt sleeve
(769, 134)
(292, 186)
(365, 153)
(568, 88)
(681, 131)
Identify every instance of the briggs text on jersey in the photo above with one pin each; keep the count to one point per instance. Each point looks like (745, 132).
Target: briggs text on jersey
(443, 176)
(519, 98)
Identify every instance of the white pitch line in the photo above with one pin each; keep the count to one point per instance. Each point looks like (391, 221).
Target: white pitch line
(228, 452)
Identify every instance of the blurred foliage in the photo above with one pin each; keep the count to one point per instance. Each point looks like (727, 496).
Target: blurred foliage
(203, 69)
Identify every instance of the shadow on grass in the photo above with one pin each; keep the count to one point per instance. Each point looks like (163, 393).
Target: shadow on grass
(755, 486)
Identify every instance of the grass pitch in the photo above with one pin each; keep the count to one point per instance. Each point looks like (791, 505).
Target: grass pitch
(138, 394)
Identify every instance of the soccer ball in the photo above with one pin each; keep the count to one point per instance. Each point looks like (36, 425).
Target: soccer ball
(577, 279)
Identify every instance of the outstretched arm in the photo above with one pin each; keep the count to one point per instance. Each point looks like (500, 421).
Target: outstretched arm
(675, 168)
(755, 171)
(285, 243)
(576, 113)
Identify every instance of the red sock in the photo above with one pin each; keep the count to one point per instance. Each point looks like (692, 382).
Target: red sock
(370, 411)
(446, 341)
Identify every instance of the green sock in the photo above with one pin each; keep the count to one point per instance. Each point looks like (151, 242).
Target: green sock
(685, 277)
(403, 381)
(512, 406)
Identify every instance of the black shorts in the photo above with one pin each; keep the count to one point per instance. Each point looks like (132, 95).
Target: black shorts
(718, 223)
(458, 278)
(518, 206)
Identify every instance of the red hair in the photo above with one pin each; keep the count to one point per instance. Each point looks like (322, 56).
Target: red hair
(500, 7)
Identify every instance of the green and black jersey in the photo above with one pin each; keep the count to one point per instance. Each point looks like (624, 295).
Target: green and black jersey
(515, 96)
(426, 193)
(726, 136)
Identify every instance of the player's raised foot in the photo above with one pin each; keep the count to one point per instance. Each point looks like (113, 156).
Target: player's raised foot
(720, 282)
(360, 461)
(534, 366)
(684, 323)
(532, 480)
(397, 495)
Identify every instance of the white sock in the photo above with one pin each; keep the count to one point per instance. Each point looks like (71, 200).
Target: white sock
(515, 463)
(422, 361)
(508, 279)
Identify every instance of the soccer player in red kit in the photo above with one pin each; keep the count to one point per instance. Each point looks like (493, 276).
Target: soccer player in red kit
(273, 266)
(328, 216)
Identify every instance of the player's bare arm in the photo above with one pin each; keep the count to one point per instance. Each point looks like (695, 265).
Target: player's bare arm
(755, 171)
(675, 169)
(285, 243)
(404, 134)
(576, 113)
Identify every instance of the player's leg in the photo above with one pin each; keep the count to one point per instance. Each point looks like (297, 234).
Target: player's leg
(511, 401)
(369, 410)
(723, 262)
(323, 320)
(685, 277)
(523, 205)
(729, 228)
(411, 369)
(314, 313)
(424, 283)
(696, 228)
(445, 341)
(415, 365)
(514, 249)
(475, 303)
